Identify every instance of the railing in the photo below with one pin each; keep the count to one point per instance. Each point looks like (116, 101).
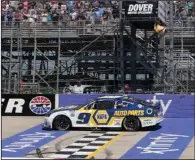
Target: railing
(51, 29)
(76, 28)
(81, 27)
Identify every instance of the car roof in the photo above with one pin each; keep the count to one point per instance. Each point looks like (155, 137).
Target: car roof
(109, 97)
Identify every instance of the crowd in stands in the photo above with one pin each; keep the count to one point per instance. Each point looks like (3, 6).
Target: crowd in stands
(184, 9)
(65, 10)
(52, 10)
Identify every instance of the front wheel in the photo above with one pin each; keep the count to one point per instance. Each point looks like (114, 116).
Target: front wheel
(131, 124)
(62, 123)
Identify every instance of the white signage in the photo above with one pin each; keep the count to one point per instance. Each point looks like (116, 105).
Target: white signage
(16, 103)
(163, 104)
(140, 9)
(27, 140)
(161, 144)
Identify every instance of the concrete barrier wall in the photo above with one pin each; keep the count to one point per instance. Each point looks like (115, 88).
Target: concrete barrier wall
(174, 106)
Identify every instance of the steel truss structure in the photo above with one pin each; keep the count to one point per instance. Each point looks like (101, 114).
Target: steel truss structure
(47, 57)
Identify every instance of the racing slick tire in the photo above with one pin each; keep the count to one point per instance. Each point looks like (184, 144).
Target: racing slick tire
(62, 123)
(131, 123)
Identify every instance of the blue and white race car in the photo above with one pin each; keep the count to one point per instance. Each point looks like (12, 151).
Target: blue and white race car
(125, 112)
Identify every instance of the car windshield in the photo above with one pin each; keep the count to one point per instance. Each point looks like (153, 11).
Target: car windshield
(87, 105)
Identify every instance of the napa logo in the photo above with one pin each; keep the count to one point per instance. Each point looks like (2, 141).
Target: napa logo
(101, 117)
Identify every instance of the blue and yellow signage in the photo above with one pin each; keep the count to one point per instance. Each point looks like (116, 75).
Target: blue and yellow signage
(101, 117)
(128, 113)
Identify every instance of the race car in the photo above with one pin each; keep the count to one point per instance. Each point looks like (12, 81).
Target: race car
(123, 112)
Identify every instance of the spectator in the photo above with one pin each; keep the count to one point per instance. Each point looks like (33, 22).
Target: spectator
(18, 17)
(97, 15)
(86, 5)
(55, 17)
(78, 89)
(104, 20)
(92, 10)
(190, 8)
(48, 8)
(9, 17)
(3, 15)
(115, 11)
(25, 5)
(63, 8)
(44, 17)
(73, 15)
(20, 6)
(68, 89)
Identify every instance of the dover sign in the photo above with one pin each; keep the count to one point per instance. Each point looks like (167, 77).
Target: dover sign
(179, 106)
(140, 8)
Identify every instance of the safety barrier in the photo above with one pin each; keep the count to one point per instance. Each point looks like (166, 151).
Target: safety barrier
(174, 106)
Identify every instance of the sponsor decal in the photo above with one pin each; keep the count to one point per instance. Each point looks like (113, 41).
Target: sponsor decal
(161, 144)
(71, 107)
(72, 113)
(146, 122)
(140, 8)
(102, 117)
(140, 106)
(166, 142)
(117, 122)
(164, 105)
(26, 105)
(40, 105)
(23, 143)
(26, 140)
(149, 111)
(130, 112)
(13, 103)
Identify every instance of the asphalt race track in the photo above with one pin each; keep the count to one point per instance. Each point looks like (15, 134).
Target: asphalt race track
(23, 137)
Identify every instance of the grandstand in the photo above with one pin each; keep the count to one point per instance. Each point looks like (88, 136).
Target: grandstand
(46, 45)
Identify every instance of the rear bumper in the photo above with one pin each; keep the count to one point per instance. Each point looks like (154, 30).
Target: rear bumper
(151, 121)
(159, 120)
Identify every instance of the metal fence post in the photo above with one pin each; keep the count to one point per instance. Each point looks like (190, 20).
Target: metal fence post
(58, 60)
(10, 59)
(35, 55)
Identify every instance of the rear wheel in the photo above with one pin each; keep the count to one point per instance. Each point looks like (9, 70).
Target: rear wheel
(62, 123)
(131, 124)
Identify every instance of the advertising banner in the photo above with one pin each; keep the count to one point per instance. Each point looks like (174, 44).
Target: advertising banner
(26, 104)
(173, 105)
(140, 9)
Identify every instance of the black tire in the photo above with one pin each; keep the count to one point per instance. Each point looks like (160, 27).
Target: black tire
(61, 123)
(131, 123)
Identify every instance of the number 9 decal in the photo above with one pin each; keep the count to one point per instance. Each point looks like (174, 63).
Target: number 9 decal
(83, 118)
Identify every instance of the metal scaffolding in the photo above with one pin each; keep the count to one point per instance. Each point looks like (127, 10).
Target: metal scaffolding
(27, 52)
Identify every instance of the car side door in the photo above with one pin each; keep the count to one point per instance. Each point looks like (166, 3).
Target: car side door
(104, 112)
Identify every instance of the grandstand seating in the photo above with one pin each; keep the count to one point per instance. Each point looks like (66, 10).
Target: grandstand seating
(45, 11)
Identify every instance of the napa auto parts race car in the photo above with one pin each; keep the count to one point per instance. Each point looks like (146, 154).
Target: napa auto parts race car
(109, 111)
